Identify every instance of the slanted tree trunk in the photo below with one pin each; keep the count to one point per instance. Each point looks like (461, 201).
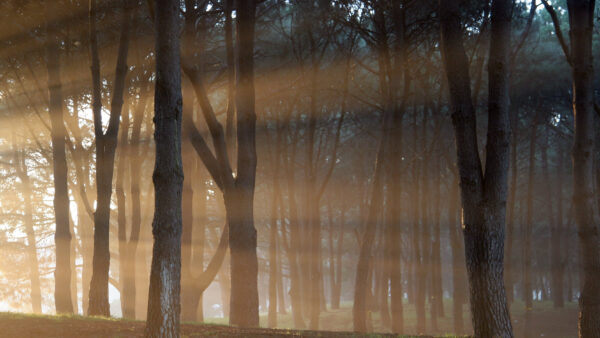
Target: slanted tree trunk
(581, 19)
(483, 193)
(163, 297)
(62, 236)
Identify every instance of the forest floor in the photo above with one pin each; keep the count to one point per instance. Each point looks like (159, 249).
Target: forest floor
(546, 322)
(28, 325)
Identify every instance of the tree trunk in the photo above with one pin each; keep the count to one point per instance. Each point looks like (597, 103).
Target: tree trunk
(362, 284)
(512, 202)
(106, 144)
(163, 297)
(581, 19)
(454, 212)
(240, 202)
(483, 194)
(528, 231)
(32, 258)
(556, 263)
(124, 257)
(62, 236)
(189, 292)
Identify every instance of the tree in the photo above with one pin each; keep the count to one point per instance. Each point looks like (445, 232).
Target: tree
(62, 237)
(106, 145)
(163, 296)
(483, 193)
(581, 20)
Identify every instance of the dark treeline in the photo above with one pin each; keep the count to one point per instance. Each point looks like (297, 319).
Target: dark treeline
(369, 165)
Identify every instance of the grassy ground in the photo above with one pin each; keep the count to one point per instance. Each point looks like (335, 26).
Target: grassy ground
(26, 325)
(546, 322)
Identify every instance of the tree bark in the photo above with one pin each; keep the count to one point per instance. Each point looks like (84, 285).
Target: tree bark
(581, 19)
(163, 297)
(483, 194)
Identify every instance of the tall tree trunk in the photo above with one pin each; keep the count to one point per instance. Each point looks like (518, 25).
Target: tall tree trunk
(337, 289)
(556, 263)
(272, 316)
(106, 144)
(581, 19)
(454, 212)
(295, 244)
(512, 203)
(163, 297)
(32, 258)
(362, 284)
(240, 202)
(189, 291)
(528, 231)
(124, 258)
(483, 194)
(62, 236)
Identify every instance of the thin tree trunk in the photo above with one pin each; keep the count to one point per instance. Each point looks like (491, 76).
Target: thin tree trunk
(512, 202)
(124, 257)
(556, 264)
(32, 258)
(528, 231)
(62, 236)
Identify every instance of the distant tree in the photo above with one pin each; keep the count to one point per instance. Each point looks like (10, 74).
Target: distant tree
(62, 237)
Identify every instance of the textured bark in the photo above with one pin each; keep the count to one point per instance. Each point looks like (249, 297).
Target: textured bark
(483, 195)
(106, 144)
(163, 297)
(581, 19)
(62, 236)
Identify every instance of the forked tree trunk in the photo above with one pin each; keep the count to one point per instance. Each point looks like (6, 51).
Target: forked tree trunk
(483, 194)
(106, 144)
(581, 19)
(163, 297)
